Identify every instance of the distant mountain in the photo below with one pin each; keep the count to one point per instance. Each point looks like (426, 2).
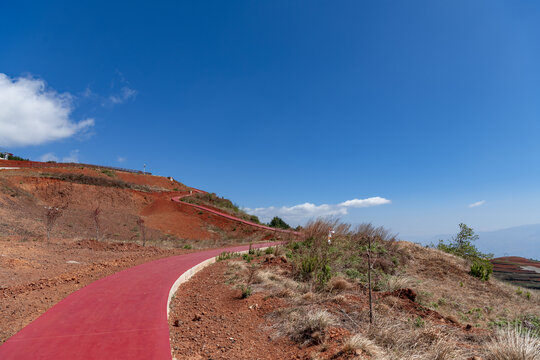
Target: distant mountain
(521, 241)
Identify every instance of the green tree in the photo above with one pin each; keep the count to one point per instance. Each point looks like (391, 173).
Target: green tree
(462, 244)
(278, 222)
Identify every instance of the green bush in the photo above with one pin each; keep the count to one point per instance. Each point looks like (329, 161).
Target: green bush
(269, 250)
(246, 291)
(481, 269)
(308, 266)
(247, 257)
(324, 275)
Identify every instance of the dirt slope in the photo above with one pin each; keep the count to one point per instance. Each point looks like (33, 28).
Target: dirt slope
(123, 198)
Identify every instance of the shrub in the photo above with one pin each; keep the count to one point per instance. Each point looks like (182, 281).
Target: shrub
(247, 257)
(308, 266)
(324, 275)
(269, 250)
(278, 222)
(246, 291)
(481, 269)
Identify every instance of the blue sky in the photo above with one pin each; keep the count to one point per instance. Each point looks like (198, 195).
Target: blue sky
(415, 109)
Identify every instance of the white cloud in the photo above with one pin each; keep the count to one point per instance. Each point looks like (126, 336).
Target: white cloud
(73, 157)
(48, 157)
(125, 94)
(121, 159)
(298, 213)
(478, 203)
(359, 203)
(31, 114)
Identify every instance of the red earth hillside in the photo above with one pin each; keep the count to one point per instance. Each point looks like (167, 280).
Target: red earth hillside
(123, 196)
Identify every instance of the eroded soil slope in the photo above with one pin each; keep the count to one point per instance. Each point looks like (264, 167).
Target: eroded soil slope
(122, 197)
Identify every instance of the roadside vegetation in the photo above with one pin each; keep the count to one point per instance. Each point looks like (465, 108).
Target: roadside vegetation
(226, 205)
(426, 303)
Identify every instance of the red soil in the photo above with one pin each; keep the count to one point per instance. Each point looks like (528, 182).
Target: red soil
(209, 320)
(24, 193)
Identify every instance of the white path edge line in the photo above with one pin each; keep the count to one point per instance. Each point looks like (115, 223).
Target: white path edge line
(188, 274)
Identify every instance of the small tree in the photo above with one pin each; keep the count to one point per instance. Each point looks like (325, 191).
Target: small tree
(142, 228)
(369, 281)
(97, 220)
(278, 222)
(461, 244)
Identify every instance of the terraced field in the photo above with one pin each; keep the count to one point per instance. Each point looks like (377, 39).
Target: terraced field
(517, 270)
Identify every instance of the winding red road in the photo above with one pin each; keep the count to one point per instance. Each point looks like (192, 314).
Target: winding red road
(122, 316)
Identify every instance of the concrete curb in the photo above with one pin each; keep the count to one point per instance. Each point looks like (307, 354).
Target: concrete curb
(189, 274)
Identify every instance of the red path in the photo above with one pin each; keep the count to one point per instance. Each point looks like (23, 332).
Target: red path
(122, 316)
(220, 213)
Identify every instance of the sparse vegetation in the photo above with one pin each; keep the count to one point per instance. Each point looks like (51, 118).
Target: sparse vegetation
(462, 245)
(306, 327)
(211, 199)
(420, 296)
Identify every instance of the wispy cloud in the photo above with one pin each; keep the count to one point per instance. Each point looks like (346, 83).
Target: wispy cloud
(478, 203)
(73, 157)
(121, 159)
(48, 157)
(125, 94)
(301, 212)
(33, 114)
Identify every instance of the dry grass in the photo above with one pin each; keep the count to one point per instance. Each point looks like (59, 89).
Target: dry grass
(513, 344)
(397, 282)
(444, 284)
(359, 344)
(305, 326)
(402, 339)
(339, 284)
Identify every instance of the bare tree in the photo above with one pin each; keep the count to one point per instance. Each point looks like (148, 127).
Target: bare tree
(59, 198)
(140, 222)
(97, 220)
(369, 281)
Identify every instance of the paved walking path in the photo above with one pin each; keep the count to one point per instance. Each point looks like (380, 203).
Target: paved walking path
(122, 316)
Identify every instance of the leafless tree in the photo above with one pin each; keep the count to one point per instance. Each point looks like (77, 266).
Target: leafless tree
(369, 281)
(96, 215)
(58, 197)
(140, 222)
